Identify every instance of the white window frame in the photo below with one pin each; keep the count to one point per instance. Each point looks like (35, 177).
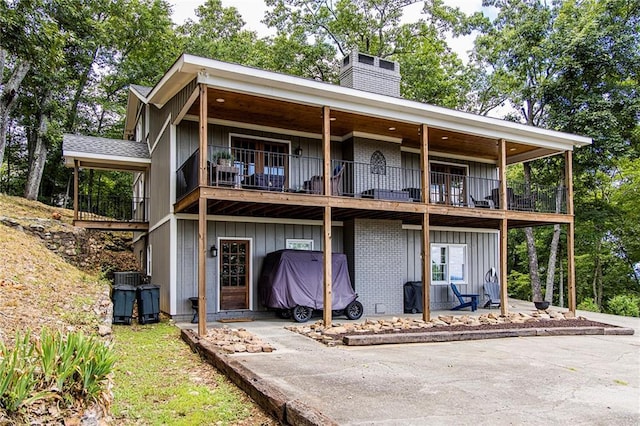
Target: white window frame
(149, 260)
(299, 244)
(465, 265)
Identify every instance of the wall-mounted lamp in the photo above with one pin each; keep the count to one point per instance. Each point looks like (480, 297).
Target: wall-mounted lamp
(214, 251)
(298, 151)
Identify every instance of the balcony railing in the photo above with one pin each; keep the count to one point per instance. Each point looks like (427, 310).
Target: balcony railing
(110, 209)
(536, 198)
(249, 169)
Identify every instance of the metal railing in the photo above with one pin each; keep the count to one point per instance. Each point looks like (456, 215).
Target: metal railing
(250, 169)
(110, 208)
(536, 198)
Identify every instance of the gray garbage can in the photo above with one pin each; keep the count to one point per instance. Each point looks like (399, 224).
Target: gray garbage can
(148, 296)
(123, 296)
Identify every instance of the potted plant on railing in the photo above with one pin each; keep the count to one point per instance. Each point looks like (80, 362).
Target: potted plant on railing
(223, 158)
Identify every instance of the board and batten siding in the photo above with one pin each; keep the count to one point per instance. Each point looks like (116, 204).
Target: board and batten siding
(160, 180)
(159, 240)
(158, 116)
(482, 254)
(265, 238)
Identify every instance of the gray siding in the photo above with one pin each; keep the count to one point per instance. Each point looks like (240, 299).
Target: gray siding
(265, 238)
(160, 180)
(171, 108)
(159, 239)
(482, 254)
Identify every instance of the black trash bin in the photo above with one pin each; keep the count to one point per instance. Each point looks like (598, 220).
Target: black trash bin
(413, 297)
(123, 296)
(148, 296)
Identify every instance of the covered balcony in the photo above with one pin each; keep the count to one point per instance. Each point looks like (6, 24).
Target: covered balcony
(258, 170)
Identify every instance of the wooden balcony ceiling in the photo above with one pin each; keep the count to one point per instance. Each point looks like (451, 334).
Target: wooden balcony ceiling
(244, 108)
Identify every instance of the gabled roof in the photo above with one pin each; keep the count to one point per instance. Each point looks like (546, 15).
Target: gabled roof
(98, 152)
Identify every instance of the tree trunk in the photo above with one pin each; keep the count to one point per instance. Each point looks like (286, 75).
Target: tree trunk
(596, 284)
(553, 250)
(39, 153)
(9, 94)
(534, 276)
(561, 283)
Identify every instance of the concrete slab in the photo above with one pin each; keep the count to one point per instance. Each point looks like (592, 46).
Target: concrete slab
(533, 380)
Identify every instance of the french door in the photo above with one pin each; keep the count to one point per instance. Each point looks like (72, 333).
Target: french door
(235, 276)
(448, 184)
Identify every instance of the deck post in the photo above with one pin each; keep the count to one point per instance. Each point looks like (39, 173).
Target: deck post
(326, 246)
(571, 273)
(426, 248)
(76, 185)
(326, 241)
(202, 216)
(502, 170)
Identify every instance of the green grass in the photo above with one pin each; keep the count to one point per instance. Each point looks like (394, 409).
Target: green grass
(158, 380)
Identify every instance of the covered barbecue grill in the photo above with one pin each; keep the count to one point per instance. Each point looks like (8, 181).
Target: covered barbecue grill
(291, 281)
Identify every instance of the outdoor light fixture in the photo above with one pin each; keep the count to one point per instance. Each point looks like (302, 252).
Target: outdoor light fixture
(214, 251)
(298, 151)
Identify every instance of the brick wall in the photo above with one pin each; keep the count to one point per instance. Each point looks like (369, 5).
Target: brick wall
(363, 178)
(370, 77)
(378, 254)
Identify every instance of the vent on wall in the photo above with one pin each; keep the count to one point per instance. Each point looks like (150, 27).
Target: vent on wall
(366, 59)
(387, 65)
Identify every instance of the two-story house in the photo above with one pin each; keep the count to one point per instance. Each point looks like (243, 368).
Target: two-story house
(233, 162)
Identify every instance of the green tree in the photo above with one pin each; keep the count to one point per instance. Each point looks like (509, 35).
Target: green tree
(571, 66)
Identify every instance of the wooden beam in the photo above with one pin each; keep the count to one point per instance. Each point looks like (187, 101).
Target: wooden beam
(426, 269)
(203, 141)
(202, 273)
(111, 225)
(504, 298)
(426, 247)
(326, 246)
(76, 185)
(571, 273)
(326, 149)
(502, 170)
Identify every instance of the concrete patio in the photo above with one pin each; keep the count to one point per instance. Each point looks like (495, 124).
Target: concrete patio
(557, 380)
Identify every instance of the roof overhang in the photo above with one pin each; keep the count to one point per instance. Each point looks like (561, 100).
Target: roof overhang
(238, 78)
(105, 162)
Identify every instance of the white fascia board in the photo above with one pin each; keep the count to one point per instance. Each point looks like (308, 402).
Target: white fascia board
(69, 156)
(170, 74)
(240, 78)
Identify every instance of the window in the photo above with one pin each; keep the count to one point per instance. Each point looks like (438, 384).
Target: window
(448, 263)
(378, 163)
(149, 260)
(296, 244)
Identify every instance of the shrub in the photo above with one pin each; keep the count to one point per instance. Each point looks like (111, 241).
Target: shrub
(588, 304)
(18, 379)
(69, 368)
(626, 305)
